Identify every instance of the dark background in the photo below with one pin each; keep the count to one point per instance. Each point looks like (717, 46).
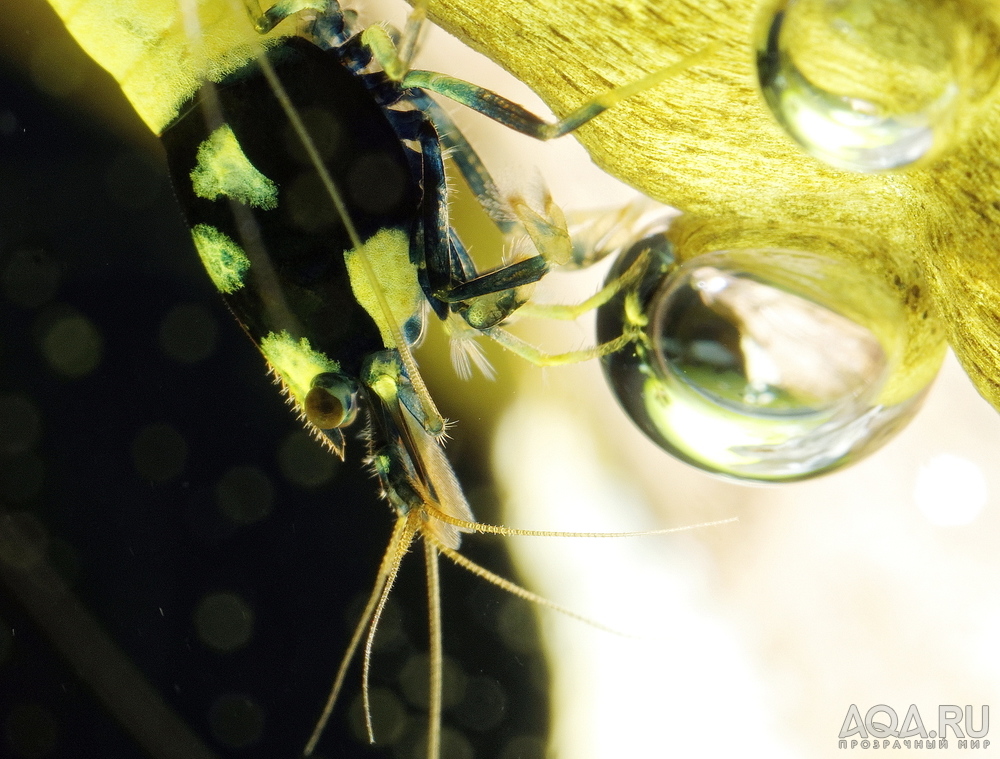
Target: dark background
(113, 523)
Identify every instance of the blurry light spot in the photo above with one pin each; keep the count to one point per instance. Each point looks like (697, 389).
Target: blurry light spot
(236, 720)
(950, 490)
(20, 425)
(376, 182)
(483, 706)
(63, 558)
(517, 627)
(524, 747)
(8, 123)
(6, 641)
(224, 621)
(159, 453)
(307, 205)
(21, 476)
(324, 127)
(72, 345)
(390, 635)
(131, 181)
(389, 717)
(304, 461)
(23, 540)
(31, 731)
(30, 278)
(57, 66)
(454, 745)
(244, 494)
(414, 678)
(189, 333)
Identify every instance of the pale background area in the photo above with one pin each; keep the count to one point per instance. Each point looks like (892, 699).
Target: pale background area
(871, 585)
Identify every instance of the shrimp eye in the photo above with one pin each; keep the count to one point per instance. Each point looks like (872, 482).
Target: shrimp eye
(332, 401)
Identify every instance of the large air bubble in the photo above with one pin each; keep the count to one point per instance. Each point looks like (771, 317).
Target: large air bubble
(758, 364)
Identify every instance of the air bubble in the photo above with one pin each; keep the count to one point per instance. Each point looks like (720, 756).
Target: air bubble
(869, 85)
(758, 364)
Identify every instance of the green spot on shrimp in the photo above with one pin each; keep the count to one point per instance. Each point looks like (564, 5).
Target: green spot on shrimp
(296, 362)
(223, 258)
(224, 169)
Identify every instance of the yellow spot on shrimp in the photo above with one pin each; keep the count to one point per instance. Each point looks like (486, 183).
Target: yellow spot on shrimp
(388, 252)
(296, 362)
(223, 258)
(223, 169)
